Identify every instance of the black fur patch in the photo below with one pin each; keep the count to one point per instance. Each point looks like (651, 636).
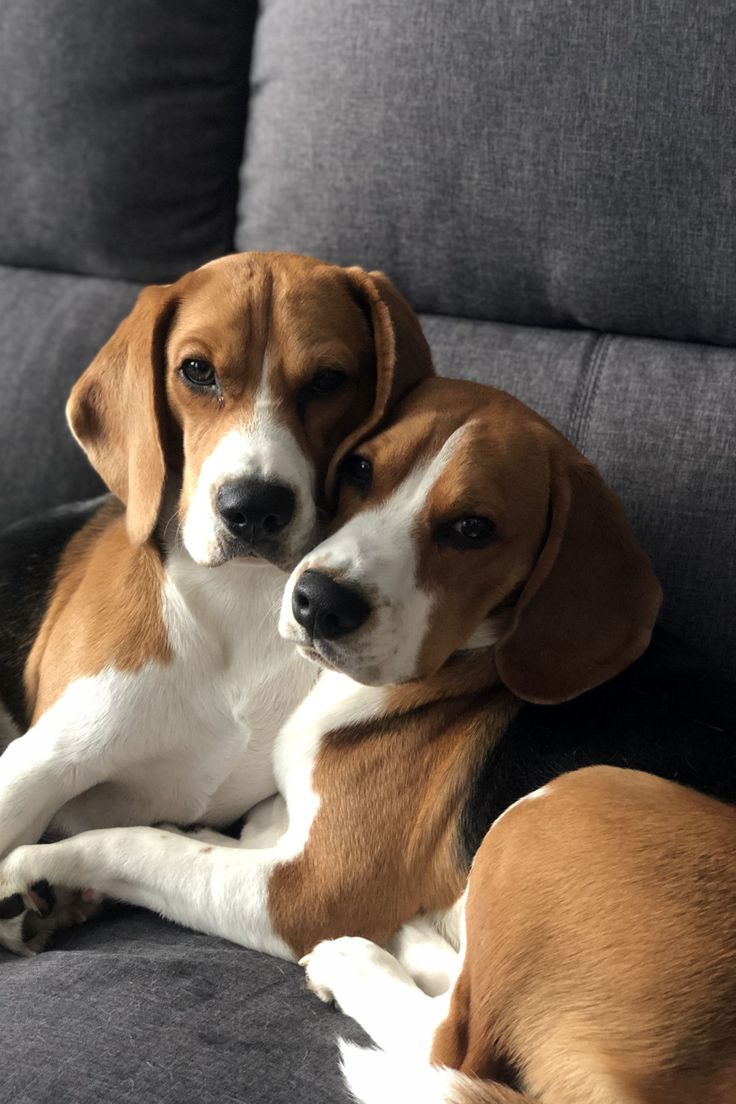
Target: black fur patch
(30, 552)
(11, 906)
(669, 714)
(45, 893)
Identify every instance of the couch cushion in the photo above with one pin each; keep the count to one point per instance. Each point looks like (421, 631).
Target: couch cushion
(553, 164)
(50, 328)
(121, 127)
(130, 1009)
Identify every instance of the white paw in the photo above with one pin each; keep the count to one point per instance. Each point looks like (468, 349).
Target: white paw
(337, 967)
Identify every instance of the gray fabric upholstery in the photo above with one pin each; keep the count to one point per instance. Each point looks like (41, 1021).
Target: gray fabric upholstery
(511, 164)
(658, 418)
(130, 1010)
(551, 163)
(121, 129)
(50, 328)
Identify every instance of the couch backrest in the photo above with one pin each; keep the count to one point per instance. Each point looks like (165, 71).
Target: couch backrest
(551, 163)
(121, 133)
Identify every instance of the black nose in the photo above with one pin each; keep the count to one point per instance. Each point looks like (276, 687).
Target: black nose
(255, 510)
(327, 609)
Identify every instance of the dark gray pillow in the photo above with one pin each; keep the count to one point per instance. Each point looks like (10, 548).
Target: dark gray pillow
(550, 163)
(121, 130)
(51, 326)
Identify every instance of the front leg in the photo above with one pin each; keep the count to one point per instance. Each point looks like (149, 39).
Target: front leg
(70, 749)
(374, 989)
(219, 890)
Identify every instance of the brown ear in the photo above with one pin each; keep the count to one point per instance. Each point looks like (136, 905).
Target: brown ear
(402, 354)
(117, 411)
(590, 604)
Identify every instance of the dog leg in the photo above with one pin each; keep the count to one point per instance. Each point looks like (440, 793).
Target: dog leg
(432, 962)
(70, 749)
(375, 990)
(219, 890)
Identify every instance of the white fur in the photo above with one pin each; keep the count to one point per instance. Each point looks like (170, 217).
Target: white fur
(376, 551)
(379, 993)
(374, 988)
(188, 741)
(261, 448)
(380, 1077)
(217, 886)
(430, 959)
(202, 880)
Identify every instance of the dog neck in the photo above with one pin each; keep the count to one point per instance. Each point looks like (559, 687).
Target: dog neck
(466, 673)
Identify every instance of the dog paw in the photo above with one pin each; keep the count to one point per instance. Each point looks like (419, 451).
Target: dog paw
(336, 967)
(29, 916)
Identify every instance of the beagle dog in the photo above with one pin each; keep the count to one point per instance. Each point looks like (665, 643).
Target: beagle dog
(139, 650)
(484, 616)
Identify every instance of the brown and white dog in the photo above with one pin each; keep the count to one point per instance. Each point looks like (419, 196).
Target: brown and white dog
(484, 586)
(150, 685)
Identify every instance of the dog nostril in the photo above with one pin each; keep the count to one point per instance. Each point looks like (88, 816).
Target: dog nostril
(330, 625)
(325, 608)
(271, 524)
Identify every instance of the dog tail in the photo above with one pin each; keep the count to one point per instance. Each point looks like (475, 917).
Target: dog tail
(375, 1077)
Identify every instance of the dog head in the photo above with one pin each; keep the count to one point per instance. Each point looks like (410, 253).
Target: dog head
(240, 385)
(469, 521)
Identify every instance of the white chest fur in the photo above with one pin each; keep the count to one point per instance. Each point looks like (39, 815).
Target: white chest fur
(193, 739)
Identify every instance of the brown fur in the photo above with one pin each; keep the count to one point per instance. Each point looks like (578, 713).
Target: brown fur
(89, 623)
(384, 843)
(576, 592)
(136, 418)
(142, 427)
(564, 890)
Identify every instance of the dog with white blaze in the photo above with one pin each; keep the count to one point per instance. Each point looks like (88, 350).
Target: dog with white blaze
(457, 855)
(139, 652)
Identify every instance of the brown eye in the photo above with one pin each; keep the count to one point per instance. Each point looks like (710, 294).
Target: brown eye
(325, 382)
(198, 372)
(469, 532)
(357, 471)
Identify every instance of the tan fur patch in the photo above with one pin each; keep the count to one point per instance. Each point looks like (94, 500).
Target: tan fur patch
(601, 954)
(384, 843)
(578, 593)
(268, 322)
(106, 610)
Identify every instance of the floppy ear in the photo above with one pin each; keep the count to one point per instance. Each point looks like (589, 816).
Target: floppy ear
(402, 354)
(589, 606)
(117, 411)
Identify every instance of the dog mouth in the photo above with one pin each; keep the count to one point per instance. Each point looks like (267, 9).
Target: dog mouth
(234, 549)
(329, 659)
(319, 654)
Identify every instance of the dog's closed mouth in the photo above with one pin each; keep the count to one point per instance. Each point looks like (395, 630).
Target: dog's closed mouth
(317, 655)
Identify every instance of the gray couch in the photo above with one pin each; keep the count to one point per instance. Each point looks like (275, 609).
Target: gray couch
(553, 185)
